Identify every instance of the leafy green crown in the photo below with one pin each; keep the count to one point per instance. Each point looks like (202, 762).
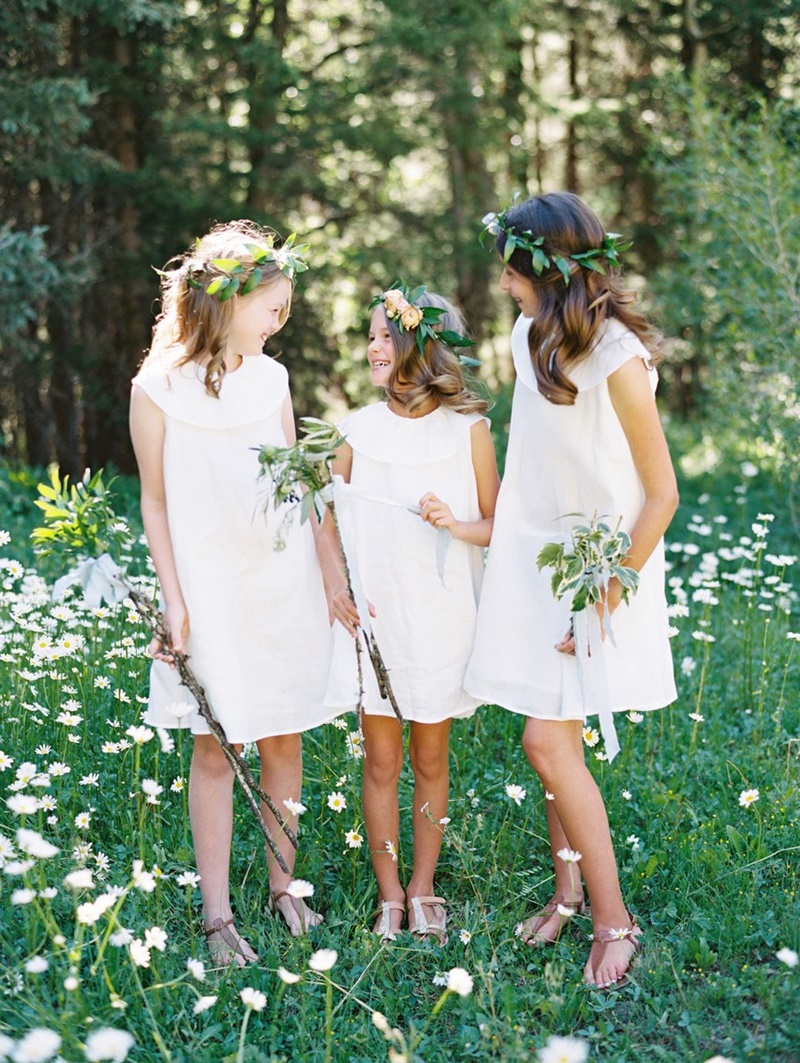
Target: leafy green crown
(231, 276)
(400, 304)
(595, 258)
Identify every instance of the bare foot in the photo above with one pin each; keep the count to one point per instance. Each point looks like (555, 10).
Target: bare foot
(546, 926)
(611, 956)
(226, 945)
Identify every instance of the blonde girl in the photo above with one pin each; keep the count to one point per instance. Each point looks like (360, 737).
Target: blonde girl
(421, 472)
(585, 440)
(253, 620)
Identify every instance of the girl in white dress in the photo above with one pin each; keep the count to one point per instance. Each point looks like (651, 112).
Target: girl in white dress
(422, 477)
(585, 440)
(253, 620)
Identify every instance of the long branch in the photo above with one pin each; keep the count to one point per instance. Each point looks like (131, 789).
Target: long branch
(241, 769)
(375, 656)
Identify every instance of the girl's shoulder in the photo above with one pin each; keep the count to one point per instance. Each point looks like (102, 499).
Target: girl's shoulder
(377, 433)
(616, 344)
(257, 388)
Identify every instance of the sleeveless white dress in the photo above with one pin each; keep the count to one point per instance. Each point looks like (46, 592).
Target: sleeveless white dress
(425, 622)
(259, 637)
(563, 461)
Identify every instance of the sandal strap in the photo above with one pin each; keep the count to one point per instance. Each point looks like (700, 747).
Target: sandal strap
(605, 935)
(423, 925)
(385, 913)
(218, 926)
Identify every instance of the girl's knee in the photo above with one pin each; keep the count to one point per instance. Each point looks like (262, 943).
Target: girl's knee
(383, 762)
(208, 757)
(551, 748)
(429, 760)
(281, 747)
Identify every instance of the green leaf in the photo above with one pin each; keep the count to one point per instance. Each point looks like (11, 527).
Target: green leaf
(229, 290)
(252, 281)
(228, 265)
(550, 554)
(540, 260)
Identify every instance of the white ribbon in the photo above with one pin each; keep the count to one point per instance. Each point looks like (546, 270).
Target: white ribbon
(590, 659)
(100, 578)
(345, 490)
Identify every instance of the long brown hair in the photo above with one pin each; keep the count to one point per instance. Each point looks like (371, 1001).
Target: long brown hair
(570, 317)
(193, 326)
(436, 374)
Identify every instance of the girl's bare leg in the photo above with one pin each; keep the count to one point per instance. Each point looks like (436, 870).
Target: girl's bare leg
(567, 889)
(282, 778)
(429, 753)
(555, 750)
(383, 761)
(211, 814)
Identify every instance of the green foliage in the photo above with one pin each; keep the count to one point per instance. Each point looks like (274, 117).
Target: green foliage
(306, 463)
(732, 203)
(713, 882)
(79, 518)
(583, 567)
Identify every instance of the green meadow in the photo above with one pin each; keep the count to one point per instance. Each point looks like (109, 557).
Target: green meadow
(100, 907)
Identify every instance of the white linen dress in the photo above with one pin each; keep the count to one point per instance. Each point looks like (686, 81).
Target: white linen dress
(425, 623)
(259, 638)
(565, 462)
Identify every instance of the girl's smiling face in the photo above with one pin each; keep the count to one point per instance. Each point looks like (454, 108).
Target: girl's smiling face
(380, 351)
(257, 316)
(520, 289)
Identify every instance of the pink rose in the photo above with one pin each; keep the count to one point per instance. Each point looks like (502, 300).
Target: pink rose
(393, 302)
(410, 317)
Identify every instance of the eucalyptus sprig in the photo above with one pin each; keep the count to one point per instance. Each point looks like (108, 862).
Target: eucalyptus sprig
(82, 527)
(307, 464)
(584, 566)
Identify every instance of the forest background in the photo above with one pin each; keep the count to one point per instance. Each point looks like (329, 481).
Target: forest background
(382, 133)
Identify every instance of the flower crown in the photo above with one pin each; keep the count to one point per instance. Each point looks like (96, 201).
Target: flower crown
(231, 275)
(400, 304)
(609, 250)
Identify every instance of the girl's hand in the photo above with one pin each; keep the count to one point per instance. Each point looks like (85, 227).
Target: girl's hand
(612, 600)
(176, 621)
(435, 512)
(567, 643)
(343, 608)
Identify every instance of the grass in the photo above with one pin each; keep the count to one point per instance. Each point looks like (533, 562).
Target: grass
(714, 882)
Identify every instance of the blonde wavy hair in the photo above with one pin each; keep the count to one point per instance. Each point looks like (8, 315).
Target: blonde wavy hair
(192, 325)
(437, 374)
(569, 318)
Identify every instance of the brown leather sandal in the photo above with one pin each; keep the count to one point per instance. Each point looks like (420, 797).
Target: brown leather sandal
(232, 942)
(305, 923)
(527, 930)
(608, 935)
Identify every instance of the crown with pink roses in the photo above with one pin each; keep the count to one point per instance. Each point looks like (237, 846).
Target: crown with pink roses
(400, 305)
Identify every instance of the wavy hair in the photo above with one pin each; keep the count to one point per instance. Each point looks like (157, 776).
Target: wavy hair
(569, 318)
(192, 325)
(437, 374)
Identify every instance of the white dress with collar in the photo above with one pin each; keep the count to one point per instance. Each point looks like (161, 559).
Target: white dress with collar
(564, 462)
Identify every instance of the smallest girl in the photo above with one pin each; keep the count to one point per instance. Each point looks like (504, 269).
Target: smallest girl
(418, 462)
